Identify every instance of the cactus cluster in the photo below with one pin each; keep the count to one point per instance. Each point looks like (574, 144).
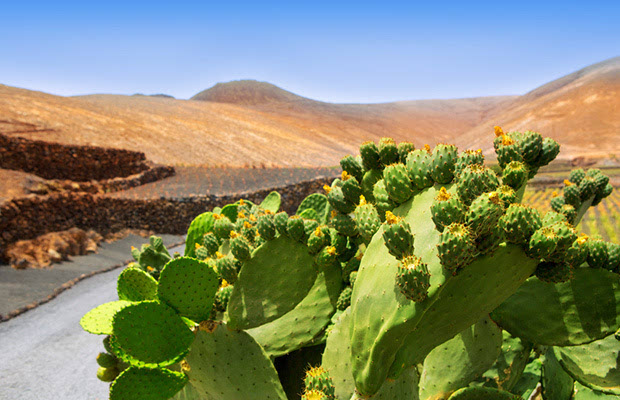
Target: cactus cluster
(419, 274)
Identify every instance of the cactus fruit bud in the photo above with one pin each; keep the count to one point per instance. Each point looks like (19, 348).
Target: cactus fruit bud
(382, 199)
(106, 360)
(367, 220)
(507, 195)
(397, 236)
(222, 297)
(613, 257)
(572, 194)
(317, 378)
(326, 256)
(550, 150)
(222, 227)
(228, 268)
(597, 253)
(587, 187)
(351, 189)
(344, 299)
(318, 239)
(468, 157)
(404, 148)
(107, 374)
(314, 395)
(266, 226)
(397, 183)
(240, 247)
(515, 174)
(211, 243)
(519, 223)
(531, 145)
(457, 248)
(419, 168)
(443, 163)
(296, 229)
(484, 213)
(344, 224)
(352, 167)
(475, 180)
(413, 278)
(388, 152)
(542, 243)
(577, 254)
(370, 155)
(447, 209)
(339, 202)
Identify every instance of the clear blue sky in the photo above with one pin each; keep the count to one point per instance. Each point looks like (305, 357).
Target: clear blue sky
(339, 51)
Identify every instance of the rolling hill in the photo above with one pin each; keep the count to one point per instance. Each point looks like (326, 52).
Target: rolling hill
(256, 123)
(580, 110)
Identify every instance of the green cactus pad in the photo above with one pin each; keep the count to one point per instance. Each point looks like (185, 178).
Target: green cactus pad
(556, 383)
(336, 359)
(590, 305)
(99, 319)
(482, 393)
(152, 332)
(197, 229)
(136, 285)
(455, 363)
(509, 366)
(594, 364)
(225, 364)
(419, 327)
(271, 202)
(301, 325)
(188, 285)
(582, 392)
(147, 384)
(276, 278)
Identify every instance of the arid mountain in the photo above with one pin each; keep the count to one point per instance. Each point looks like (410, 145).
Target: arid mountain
(580, 110)
(253, 123)
(288, 130)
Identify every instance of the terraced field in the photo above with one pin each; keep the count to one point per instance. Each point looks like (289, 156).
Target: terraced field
(602, 220)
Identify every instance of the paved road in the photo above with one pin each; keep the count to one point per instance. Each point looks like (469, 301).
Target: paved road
(45, 354)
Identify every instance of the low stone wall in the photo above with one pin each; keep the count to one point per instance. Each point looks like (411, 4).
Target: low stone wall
(76, 163)
(154, 173)
(32, 216)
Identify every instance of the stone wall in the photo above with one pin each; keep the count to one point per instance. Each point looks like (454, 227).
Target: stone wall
(60, 161)
(32, 216)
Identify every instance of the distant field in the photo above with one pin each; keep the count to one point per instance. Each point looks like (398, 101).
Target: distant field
(197, 181)
(603, 220)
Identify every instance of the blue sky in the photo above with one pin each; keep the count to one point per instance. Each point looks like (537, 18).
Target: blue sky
(347, 51)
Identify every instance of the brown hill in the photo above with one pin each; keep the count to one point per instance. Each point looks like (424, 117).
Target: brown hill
(580, 110)
(248, 92)
(291, 131)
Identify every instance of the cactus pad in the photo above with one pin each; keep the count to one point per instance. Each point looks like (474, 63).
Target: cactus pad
(271, 202)
(188, 285)
(99, 319)
(590, 304)
(147, 384)
(272, 283)
(226, 364)
(197, 229)
(136, 285)
(152, 332)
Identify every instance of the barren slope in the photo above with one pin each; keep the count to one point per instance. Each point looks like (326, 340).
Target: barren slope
(287, 131)
(580, 110)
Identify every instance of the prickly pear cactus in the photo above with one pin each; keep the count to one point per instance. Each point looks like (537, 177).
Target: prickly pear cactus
(419, 271)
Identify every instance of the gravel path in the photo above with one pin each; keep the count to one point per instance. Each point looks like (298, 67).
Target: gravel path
(45, 354)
